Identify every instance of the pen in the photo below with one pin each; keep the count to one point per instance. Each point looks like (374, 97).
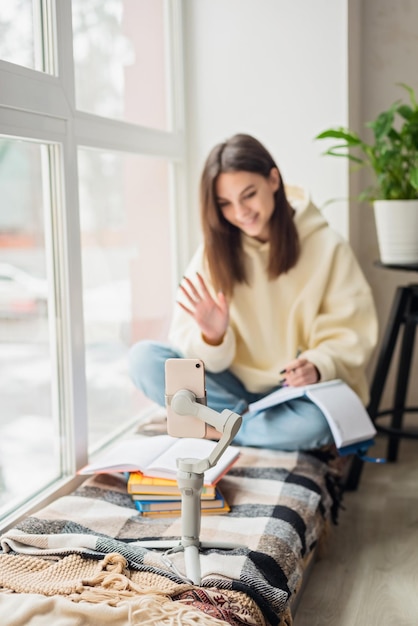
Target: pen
(283, 371)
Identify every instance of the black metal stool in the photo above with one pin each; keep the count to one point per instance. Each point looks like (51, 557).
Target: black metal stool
(404, 313)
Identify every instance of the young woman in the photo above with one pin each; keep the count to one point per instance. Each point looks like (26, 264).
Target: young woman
(273, 296)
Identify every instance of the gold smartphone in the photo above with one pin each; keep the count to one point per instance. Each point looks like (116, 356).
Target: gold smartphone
(185, 374)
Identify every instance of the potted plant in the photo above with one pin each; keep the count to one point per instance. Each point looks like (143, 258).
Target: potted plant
(392, 156)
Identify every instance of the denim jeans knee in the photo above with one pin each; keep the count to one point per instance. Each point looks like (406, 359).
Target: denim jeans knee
(147, 368)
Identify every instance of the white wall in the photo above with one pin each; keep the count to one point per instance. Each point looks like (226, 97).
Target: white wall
(276, 69)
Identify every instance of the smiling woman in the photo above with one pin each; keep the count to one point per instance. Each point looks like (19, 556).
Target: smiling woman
(249, 301)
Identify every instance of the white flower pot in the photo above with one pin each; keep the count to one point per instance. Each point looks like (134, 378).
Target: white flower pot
(397, 230)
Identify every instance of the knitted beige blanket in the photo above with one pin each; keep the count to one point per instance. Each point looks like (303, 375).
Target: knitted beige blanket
(107, 592)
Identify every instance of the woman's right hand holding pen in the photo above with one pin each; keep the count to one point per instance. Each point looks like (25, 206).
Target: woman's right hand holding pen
(299, 372)
(211, 315)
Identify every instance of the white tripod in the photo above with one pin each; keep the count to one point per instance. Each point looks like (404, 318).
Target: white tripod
(190, 475)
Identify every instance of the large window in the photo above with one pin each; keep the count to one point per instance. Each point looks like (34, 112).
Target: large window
(91, 144)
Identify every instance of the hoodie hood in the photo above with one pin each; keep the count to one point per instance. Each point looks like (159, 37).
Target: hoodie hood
(308, 217)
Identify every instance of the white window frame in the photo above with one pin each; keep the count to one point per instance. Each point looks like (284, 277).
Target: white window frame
(39, 106)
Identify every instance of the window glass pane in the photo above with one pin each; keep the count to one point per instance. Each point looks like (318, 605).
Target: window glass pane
(126, 250)
(119, 57)
(29, 432)
(19, 29)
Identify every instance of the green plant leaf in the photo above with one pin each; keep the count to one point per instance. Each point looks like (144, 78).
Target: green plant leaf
(411, 94)
(383, 123)
(340, 133)
(405, 111)
(414, 178)
(335, 152)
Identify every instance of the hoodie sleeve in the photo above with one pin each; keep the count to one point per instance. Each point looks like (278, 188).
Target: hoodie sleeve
(185, 335)
(344, 333)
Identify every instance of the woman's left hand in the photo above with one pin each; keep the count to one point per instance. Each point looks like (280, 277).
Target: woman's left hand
(211, 314)
(300, 372)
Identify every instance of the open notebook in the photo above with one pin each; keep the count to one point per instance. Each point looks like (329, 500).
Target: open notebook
(157, 456)
(348, 420)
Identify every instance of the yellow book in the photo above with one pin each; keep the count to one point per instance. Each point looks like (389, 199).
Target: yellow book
(138, 484)
(155, 514)
(138, 478)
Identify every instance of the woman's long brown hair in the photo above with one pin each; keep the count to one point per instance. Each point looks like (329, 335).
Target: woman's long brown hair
(222, 241)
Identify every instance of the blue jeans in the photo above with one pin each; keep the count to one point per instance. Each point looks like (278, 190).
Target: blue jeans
(294, 425)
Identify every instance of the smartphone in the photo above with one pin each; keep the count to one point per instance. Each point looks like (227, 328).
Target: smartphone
(185, 374)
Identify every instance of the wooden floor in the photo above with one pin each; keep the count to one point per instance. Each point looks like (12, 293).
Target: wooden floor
(369, 573)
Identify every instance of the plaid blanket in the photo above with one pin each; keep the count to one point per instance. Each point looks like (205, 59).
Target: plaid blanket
(280, 505)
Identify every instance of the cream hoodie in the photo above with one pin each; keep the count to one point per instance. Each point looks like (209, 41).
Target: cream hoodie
(322, 307)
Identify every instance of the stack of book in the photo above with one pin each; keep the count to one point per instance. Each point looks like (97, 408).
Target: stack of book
(155, 497)
(150, 464)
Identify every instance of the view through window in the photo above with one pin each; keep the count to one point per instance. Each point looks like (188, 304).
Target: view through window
(20, 33)
(119, 59)
(126, 251)
(29, 428)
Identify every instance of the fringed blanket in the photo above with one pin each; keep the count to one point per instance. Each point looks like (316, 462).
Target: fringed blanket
(86, 546)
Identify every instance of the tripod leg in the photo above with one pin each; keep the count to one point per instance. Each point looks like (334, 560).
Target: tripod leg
(190, 485)
(192, 563)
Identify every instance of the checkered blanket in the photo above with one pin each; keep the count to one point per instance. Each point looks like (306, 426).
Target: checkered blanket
(280, 505)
